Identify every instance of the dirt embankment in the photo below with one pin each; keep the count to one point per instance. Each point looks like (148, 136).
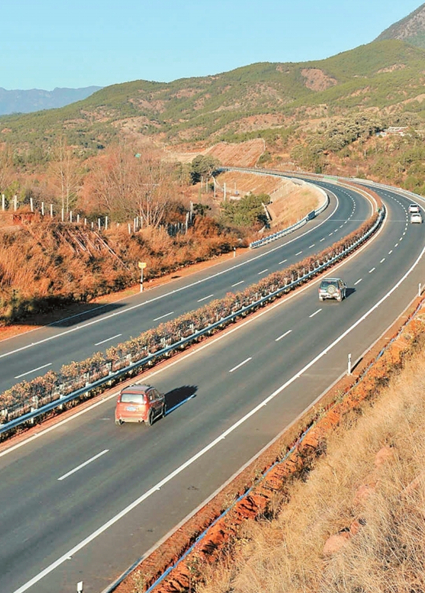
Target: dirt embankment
(243, 154)
(290, 201)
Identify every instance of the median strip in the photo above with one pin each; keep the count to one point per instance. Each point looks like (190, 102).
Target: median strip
(26, 401)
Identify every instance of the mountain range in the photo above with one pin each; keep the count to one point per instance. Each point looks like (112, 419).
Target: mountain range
(410, 29)
(18, 101)
(386, 76)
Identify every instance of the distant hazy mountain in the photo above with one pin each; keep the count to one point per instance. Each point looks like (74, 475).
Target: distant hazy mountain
(411, 29)
(17, 101)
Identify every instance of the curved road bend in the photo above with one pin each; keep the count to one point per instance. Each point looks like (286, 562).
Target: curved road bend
(87, 499)
(34, 353)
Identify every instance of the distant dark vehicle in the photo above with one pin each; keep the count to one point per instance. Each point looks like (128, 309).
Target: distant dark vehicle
(332, 288)
(139, 403)
(311, 215)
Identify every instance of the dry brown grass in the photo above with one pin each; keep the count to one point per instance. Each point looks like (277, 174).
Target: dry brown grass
(386, 552)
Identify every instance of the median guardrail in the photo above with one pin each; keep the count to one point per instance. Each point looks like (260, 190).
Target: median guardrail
(105, 375)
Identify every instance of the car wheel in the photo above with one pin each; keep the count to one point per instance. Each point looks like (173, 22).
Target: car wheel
(118, 422)
(150, 418)
(321, 299)
(163, 410)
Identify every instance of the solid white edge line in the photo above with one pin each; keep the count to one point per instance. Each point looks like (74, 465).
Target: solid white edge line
(240, 364)
(216, 441)
(108, 340)
(34, 370)
(76, 469)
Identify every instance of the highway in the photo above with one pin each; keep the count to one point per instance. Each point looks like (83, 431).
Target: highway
(34, 353)
(85, 500)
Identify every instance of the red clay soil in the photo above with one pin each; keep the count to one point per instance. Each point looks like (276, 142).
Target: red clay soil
(43, 319)
(343, 398)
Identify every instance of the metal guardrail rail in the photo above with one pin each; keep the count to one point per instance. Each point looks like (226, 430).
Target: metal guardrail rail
(114, 375)
(292, 228)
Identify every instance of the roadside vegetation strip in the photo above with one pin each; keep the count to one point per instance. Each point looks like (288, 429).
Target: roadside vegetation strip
(28, 400)
(265, 493)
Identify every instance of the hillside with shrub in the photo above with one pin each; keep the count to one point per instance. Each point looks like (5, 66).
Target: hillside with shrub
(381, 75)
(320, 116)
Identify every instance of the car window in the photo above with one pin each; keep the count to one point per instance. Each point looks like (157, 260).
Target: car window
(135, 398)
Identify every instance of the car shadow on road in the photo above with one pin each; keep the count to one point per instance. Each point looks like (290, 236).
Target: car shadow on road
(349, 292)
(177, 397)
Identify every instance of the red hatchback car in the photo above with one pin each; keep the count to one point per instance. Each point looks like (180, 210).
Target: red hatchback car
(139, 403)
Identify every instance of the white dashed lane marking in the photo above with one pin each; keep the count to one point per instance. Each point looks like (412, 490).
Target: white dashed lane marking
(283, 335)
(117, 336)
(205, 298)
(240, 365)
(82, 465)
(318, 311)
(34, 370)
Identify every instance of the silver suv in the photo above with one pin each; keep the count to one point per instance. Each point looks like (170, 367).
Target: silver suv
(332, 288)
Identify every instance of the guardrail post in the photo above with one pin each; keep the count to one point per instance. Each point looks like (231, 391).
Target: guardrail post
(349, 365)
(420, 289)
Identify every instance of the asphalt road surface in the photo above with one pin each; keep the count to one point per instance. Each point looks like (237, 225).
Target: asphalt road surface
(34, 353)
(85, 500)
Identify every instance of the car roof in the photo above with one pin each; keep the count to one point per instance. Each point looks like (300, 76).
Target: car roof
(136, 388)
(331, 279)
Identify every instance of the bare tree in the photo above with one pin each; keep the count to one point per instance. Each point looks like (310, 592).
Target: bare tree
(126, 184)
(65, 174)
(7, 173)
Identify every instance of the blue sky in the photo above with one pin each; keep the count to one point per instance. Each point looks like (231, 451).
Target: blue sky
(50, 43)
